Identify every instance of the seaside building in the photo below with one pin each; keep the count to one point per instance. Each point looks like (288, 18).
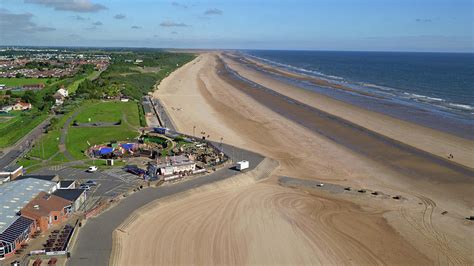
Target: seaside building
(47, 210)
(14, 195)
(77, 197)
(176, 165)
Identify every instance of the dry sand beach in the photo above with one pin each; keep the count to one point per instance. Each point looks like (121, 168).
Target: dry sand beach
(246, 220)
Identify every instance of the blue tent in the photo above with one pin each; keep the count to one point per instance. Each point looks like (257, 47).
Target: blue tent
(128, 146)
(106, 150)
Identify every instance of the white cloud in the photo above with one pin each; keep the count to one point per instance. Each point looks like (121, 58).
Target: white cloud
(172, 24)
(69, 5)
(12, 24)
(213, 11)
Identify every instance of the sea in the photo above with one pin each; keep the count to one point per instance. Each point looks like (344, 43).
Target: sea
(432, 89)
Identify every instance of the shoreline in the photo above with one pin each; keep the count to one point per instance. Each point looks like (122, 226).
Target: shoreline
(426, 139)
(423, 114)
(346, 133)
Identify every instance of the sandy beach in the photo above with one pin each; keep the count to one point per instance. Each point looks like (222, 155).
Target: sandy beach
(258, 221)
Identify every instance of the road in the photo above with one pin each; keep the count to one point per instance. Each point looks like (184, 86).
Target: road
(94, 244)
(163, 116)
(23, 145)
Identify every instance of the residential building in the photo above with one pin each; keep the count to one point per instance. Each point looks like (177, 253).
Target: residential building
(21, 106)
(38, 86)
(6, 109)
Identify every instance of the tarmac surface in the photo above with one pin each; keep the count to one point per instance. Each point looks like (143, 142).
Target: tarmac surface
(94, 242)
(110, 182)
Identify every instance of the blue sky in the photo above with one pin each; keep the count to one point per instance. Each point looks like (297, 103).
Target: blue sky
(367, 25)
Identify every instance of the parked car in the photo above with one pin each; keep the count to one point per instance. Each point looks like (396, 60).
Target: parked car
(85, 187)
(92, 169)
(135, 171)
(91, 183)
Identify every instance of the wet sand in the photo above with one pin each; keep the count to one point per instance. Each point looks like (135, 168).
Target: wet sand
(262, 222)
(377, 147)
(432, 141)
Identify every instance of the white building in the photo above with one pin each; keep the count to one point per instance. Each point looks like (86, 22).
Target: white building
(63, 92)
(61, 95)
(176, 165)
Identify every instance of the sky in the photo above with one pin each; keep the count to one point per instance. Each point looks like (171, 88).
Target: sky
(347, 25)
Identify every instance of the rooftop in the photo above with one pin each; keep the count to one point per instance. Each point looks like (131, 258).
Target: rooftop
(41, 177)
(10, 234)
(69, 194)
(44, 203)
(65, 183)
(175, 161)
(16, 194)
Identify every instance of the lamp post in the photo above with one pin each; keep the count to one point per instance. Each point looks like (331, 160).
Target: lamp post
(194, 131)
(222, 147)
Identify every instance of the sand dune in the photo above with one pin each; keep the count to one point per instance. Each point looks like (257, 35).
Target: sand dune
(261, 222)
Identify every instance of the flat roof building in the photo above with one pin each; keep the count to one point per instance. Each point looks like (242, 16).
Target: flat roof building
(16, 194)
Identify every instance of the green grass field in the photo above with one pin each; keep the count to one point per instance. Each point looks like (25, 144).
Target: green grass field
(109, 112)
(78, 137)
(14, 82)
(17, 127)
(47, 146)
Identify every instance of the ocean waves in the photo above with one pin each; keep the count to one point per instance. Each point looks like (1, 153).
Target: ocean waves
(398, 94)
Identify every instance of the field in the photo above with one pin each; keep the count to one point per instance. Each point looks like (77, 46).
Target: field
(109, 112)
(79, 138)
(15, 82)
(47, 148)
(15, 128)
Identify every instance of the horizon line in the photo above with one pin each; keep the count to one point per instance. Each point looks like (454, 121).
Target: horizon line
(231, 49)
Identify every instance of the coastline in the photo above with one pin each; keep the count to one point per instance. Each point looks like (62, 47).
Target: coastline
(432, 141)
(263, 219)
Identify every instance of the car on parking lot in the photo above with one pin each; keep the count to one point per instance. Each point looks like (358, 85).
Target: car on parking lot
(135, 170)
(85, 187)
(90, 183)
(92, 169)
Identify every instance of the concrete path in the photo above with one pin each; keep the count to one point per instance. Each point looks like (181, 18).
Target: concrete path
(94, 244)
